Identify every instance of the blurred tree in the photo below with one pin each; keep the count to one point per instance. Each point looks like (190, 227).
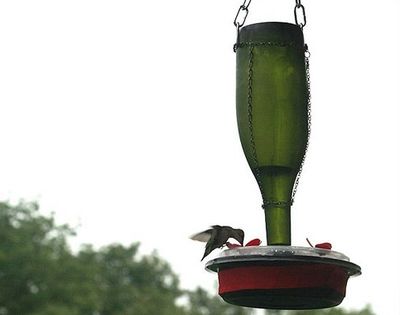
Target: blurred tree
(201, 303)
(33, 252)
(39, 275)
(335, 311)
(129, 285)
(331, 311)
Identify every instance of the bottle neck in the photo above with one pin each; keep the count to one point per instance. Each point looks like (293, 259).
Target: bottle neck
(277, 218)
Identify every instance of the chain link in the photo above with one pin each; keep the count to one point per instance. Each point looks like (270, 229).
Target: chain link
(299, 8)
(307, 66)
(242, 14)
(256, 168)
(240, 19)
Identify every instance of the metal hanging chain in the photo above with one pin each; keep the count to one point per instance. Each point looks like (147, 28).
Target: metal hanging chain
(299, 8)
(240, 19)
(243, 12)
(307, 67)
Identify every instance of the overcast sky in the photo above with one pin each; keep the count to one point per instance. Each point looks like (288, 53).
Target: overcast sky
(119, 116)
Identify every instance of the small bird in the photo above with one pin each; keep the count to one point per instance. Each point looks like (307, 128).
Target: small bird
(217, 237)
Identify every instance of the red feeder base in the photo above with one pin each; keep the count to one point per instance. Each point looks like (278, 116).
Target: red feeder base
(283, 277)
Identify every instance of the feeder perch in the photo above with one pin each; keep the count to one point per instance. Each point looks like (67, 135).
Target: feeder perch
(272, 104)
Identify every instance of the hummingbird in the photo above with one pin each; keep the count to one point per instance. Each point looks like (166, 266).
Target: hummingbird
(217, 237)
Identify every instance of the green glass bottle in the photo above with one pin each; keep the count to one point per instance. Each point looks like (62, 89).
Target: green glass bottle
(272, 113)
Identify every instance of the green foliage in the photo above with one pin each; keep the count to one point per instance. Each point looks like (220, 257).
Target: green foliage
(39, 275)
(129, 285)
(335, 311)
(32, 256)
(201, 303)
(331, 311)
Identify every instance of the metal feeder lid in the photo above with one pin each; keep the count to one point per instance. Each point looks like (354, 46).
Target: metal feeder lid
(275, 254)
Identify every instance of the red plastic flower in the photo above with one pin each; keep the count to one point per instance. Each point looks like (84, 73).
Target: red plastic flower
(254, 242)
(325, 245)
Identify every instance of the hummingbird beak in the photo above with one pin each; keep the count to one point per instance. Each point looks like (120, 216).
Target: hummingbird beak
(240, 237)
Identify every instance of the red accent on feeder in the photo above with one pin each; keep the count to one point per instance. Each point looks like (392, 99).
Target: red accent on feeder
(324, 246)
(283, 277)
(231, 246)
(254, 242)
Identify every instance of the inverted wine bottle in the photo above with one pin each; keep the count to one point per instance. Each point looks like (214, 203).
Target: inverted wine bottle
(272, 114)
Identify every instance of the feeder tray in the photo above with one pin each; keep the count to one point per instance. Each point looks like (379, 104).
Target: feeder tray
(283, 277)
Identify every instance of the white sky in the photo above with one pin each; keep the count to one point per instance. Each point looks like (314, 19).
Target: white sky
(120, 117)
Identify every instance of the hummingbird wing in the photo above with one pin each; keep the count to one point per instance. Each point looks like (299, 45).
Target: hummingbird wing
(202, 236)
(214, 241)
(212, 237)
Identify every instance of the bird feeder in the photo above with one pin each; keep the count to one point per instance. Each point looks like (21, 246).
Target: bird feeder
(273, 115)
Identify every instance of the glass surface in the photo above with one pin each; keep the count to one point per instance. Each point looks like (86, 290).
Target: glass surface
(271, 101)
